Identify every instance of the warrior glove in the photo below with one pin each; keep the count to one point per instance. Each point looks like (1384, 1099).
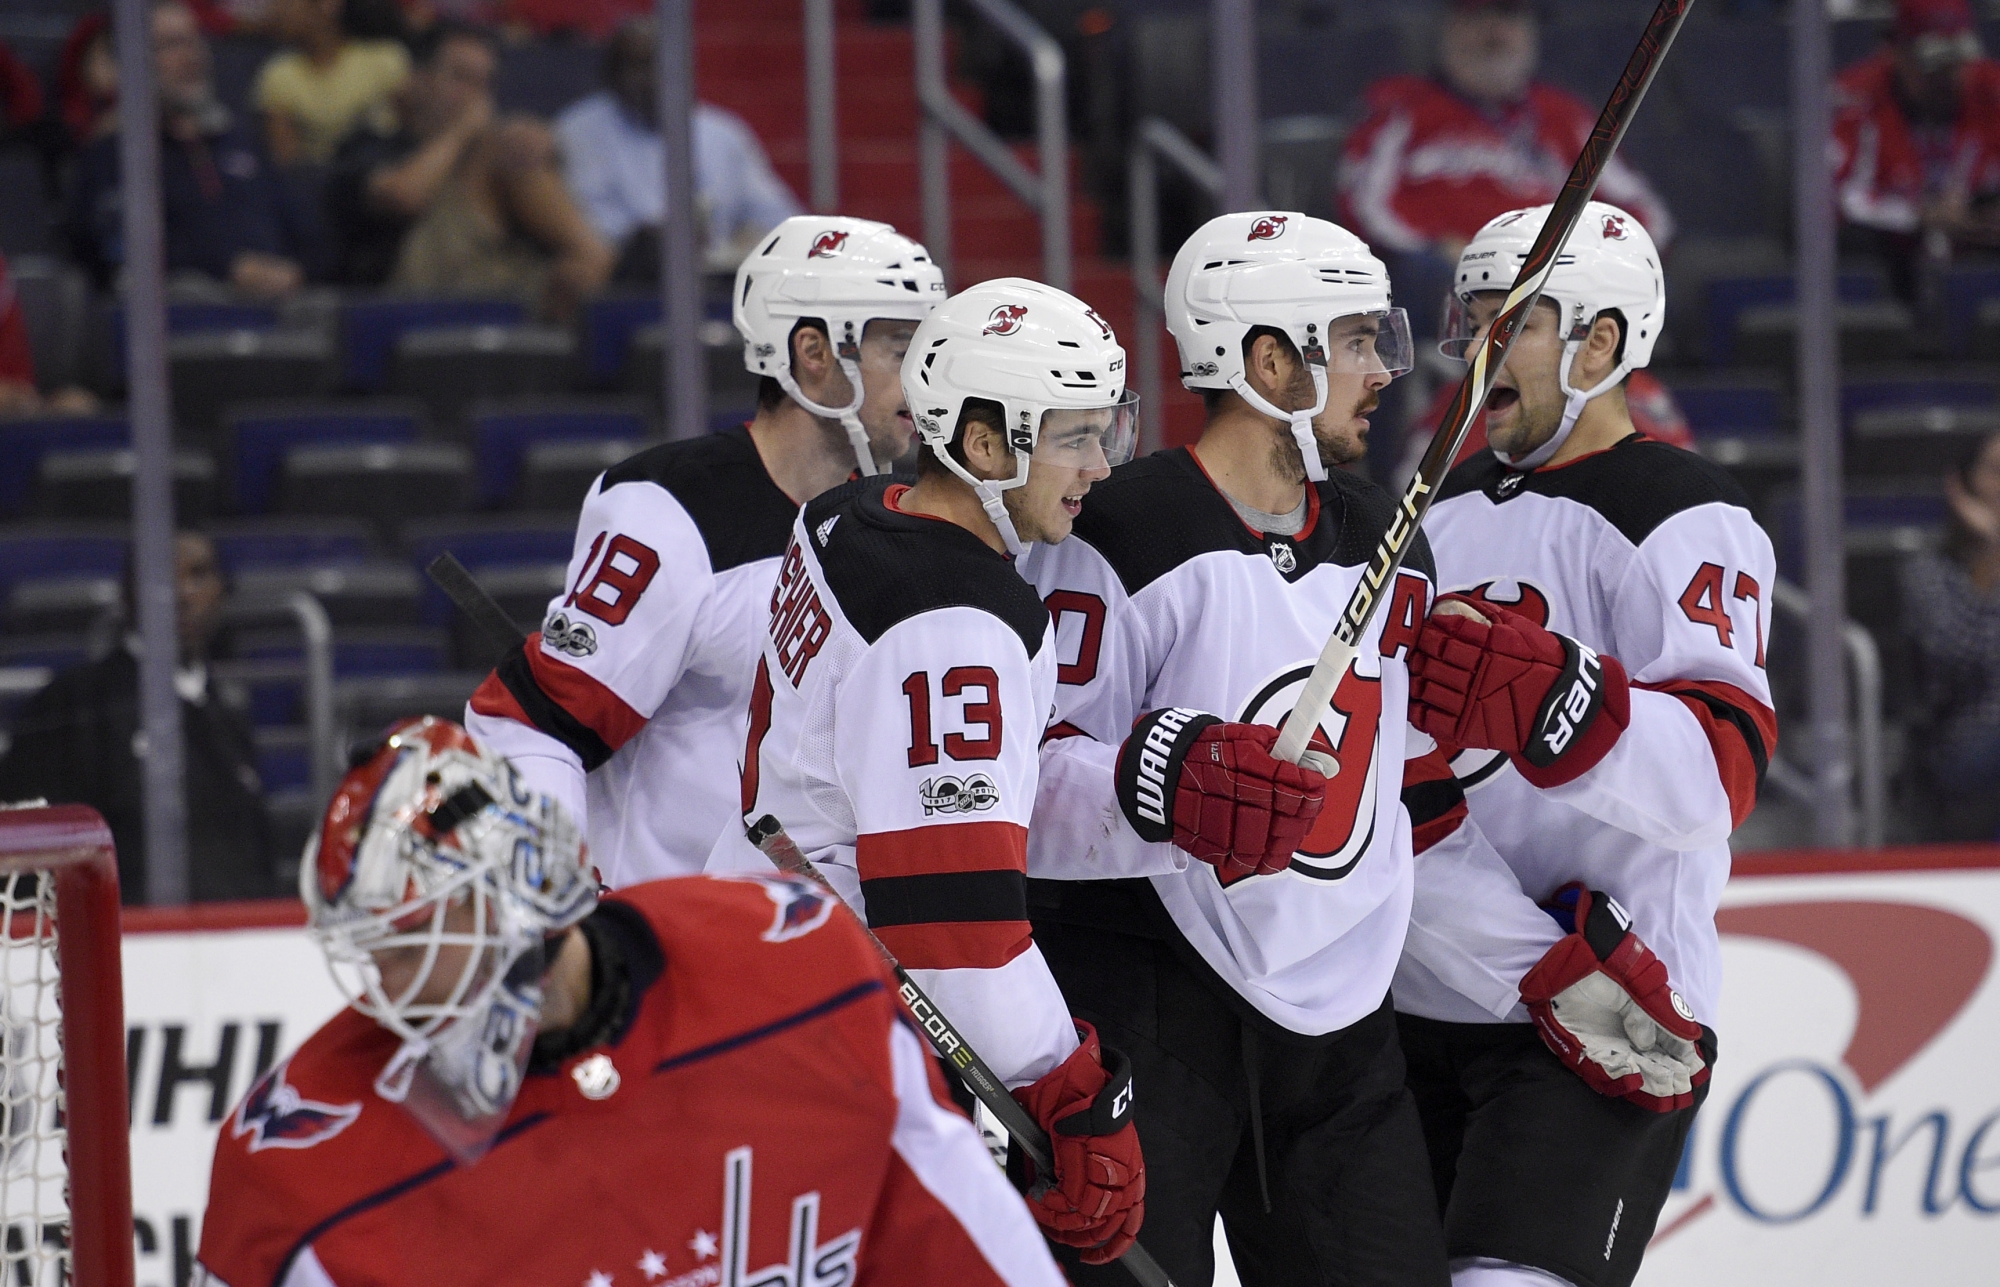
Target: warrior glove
(1602, 1002)
(1097, 1197)
(1493, 678)
(1215, 790)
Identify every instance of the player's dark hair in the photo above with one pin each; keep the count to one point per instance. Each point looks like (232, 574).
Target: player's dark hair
(1211, 399)
(770, 394)
(430, 42)
(984, 410)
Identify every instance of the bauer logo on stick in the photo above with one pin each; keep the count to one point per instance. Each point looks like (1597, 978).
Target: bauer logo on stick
(1268, 228)
(1005, 319)
(827, 245)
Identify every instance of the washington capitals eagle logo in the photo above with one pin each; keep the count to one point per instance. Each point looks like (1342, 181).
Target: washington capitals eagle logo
(1268, 228)
(1614, 227)
(802, 908)
(827, 245)
(277, 1116)
(1005, 319)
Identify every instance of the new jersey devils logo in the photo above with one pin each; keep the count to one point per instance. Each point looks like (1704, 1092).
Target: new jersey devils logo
(827, 245)
(1102, 325)
(1516, 217)
(1614, 227)
(1346, 735)
(1268, 228)
(1005, 319)
(1527, 600)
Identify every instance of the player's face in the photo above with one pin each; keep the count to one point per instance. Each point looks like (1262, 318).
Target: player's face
(1525, 407)
(1356, 374)
(1071, 453)
(883, 412)
(405, 979)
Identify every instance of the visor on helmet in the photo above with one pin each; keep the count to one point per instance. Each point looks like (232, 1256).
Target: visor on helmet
(1100, 438)
(1375, 343)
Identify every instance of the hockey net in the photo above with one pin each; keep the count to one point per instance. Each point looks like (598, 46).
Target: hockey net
(65, 1173)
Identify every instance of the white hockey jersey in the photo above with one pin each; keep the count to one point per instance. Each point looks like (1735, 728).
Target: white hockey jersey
(906, 678)
(1164, 597)
(1649, 554)
(642, 671)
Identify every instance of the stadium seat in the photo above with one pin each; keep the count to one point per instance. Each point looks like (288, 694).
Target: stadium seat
(55, 303)
(558, 475)
(369, 328)
(363, 707)
(193, 317)
(284, 757)
(377, 593)
(609, 323)
(732, 390)
(452, 367)
(1874, 555)
(1986, 332)
(1863, 389)
(1760, 463)
(23, 443)
(1729, 297)
(1879, 331)
(486, 542)
(502, 435)
(61, 602)
(523, 592)
(211, 370)
(1731, 405)
(244, 544)
(50, 651)
(1967, 289)
(60, 549)
(98, 485)
(261, 436)
(358, 652)
(1916, 440)
(1876, 504)
(381, 482)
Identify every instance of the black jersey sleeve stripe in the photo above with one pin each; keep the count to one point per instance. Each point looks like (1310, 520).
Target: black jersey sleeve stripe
(945, 896)
(1429, 801)
(547, 715)
(1736, 717)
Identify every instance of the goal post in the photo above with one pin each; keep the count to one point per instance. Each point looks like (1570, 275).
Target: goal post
(65, 1144)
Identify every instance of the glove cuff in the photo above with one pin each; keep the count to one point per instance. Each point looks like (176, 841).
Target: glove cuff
(1580, 720)
(1149, 768)
(1111, 1108)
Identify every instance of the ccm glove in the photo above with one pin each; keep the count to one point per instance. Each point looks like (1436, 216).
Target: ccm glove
(1097, 1197)
(1602, 1002)
(1215, 790)
(1498, 680)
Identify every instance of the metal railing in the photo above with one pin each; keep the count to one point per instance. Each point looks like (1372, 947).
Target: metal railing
(943, 118)
(1864, 667)
(315, 669)
(822, 119)
(1153, 142)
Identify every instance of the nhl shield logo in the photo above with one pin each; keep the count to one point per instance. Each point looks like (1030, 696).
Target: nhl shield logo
(827, 245)
(1614, 227)
(1268, 228)
(1283, 558)
(1005, 319)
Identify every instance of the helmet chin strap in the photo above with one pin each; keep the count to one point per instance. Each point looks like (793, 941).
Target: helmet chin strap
(990, 493)
(1301, 420)
(1574, 401)
(849, 416)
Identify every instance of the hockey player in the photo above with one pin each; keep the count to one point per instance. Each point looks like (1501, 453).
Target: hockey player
(1602, 660)
(1251, 997)
(636, 687)
(902, 696)
(692, 1082)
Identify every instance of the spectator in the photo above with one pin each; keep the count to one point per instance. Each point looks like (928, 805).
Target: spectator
(1438, 156)
(87, 80)
(339, 72)
(1917, 140)
(456, 200)
(79, 741)
(613, 161)
(20, 93)
(1951, 611)
(19, 394)
(226, 215)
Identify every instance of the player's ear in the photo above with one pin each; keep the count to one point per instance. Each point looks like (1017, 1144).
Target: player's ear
(1268, 366)
(812, 353)
(985, 446)
(1600, 351)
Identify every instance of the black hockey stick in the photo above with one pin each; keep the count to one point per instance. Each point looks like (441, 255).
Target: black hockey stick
(1470, 399)
(768, 834)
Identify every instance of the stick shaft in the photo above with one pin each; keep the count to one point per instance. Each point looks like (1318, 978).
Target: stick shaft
(1470, 399)
(450, 576)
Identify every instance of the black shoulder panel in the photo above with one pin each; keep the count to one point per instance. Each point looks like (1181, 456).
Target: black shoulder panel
(885, 566)
(1476, 473)
(1637, 484)
(721, 482)
(1366, 512)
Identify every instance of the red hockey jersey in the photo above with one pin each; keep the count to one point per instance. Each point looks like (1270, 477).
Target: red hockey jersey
(1885, 170)
(766, 1118)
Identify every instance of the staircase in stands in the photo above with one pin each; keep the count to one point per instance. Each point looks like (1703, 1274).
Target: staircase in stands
(750, 58)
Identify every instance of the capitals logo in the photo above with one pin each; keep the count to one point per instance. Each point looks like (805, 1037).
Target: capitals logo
(1614, 227)
(827, 245)
(1005, 319)
(802, 908)
(277, 1116)
(1268, 228)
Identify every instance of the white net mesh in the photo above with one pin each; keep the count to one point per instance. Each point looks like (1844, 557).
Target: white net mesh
(34, 1199)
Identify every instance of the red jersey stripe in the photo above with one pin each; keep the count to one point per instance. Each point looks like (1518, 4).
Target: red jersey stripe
(956, 945)
(599, 709)
(958, 846)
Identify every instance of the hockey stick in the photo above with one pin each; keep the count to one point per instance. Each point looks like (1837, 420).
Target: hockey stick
(1470, 399)
(769, 836)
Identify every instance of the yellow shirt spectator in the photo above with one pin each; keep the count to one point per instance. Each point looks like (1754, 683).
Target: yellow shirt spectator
(318, 105)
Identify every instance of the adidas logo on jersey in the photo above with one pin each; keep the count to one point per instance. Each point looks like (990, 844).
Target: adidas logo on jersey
(949, 795)
(573, 637)
(825, 530)
(1283, 558)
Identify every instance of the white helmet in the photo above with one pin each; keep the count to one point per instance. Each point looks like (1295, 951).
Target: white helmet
(429, 822)
(1293, 273)
(1032, 349)
(845, 273)
(1609, 262)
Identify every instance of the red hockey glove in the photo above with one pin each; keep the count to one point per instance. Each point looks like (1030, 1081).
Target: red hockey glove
(1602, 1003)
(1502, 682)
(1215, 790)
(1098, 1196)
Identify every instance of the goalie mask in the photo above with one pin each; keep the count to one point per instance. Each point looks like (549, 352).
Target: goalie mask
(844, 273)
(1610, 262)
(1040, 353)
(1299, 276)
(432, 884)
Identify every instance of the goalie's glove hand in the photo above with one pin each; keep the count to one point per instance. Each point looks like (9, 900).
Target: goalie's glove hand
(1216, 790)
(1492, 678)
(1603, 1004)
(1097, 1197)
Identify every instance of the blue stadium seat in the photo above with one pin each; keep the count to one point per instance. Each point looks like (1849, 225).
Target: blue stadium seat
(60, 549)
(1729, 296)
(23, 443)
(369, 328)
(609, 323)
(194, 317)
(501, 437)
(1913, 389)
(291, 542)
(1914, 504)
(357, 653)
(1965, 289)
(486, 543)
(1732, 408)
(263, 437)
(284, 757)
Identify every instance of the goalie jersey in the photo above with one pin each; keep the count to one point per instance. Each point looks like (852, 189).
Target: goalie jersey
(762, 1113)
(895, 722)
(641, 673)
(1162, 596)
(1649, 554)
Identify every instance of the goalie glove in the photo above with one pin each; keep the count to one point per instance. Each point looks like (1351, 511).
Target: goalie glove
(1098, 1194)
(1493, 678)
(1215, 790)
(1604, 1006)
